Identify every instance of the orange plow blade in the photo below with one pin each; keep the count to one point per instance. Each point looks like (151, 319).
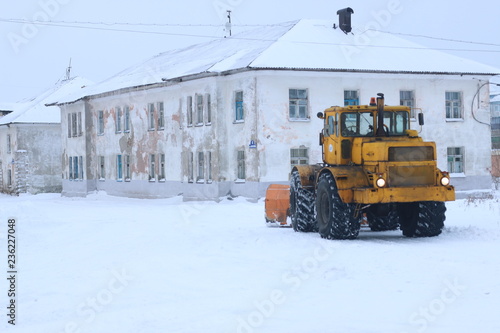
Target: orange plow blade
(277, 204)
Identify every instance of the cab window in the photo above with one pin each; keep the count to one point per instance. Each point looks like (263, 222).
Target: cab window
(357, 124)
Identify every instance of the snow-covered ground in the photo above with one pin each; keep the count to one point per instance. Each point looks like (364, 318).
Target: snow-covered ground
(109, 264)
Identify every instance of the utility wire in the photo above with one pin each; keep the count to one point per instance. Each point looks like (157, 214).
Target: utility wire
(431, 37)
(49, 23)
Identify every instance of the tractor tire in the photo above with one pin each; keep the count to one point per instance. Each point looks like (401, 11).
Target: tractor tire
(335, 219)
(301, 206)
(422, 219)
(382, 217)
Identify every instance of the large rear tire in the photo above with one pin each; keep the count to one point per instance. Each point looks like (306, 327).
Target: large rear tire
(382, 217)
(301, 206)
(422, 219)
(335, 219)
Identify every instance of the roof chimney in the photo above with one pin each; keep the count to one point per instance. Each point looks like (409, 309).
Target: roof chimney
(345, 19)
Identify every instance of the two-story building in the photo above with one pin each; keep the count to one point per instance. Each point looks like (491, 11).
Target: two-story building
(231, 116)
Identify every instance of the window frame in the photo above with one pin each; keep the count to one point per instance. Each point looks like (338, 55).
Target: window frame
(296, 103)
(127, 170)
(200, 178)
(189, 110)
(161, 168)
(119, 168)
(161, 115)
(9, 144)
(118, 119)
(152, 168)
(461, 163)
(209, 167)
(126, 119)
(151, 117)
(239, 106)
(241, 167)
(199, 100)
(102, 168)
(349, 100)
(299, 158)
(450, 109)
(74, 125)
(410, 102)
(190, 170)
(208, 102)
(100, 122)
(79, 124)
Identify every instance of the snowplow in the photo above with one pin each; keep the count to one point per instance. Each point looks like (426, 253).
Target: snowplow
(374, 168)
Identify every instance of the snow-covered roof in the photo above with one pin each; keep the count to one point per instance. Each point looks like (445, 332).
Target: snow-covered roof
(35, 110)
(298, 45)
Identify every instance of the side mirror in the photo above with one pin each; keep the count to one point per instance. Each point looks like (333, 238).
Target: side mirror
(421, 119)
(320, 115)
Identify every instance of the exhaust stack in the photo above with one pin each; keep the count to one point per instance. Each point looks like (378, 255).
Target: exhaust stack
(380, 115)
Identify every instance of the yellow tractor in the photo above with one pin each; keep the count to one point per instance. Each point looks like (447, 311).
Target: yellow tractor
(374, 167)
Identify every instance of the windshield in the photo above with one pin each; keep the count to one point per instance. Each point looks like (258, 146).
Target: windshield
(357, 124)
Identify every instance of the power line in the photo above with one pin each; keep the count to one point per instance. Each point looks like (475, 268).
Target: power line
(49, 23)
(431, 37)
(63, 23)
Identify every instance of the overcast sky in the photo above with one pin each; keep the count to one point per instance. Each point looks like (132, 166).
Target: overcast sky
(34, 57)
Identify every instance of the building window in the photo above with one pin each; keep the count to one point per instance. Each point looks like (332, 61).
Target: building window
(102, 170)
(298, 104)
(70, 164)
(161, 168)
(127, 167)
(238, 106)
(9, 178)
(190, 167)
(201, 167)
(73, 124)
(453, 105)
(100, 122)
(118, 120)
(299, 156)
(119, 168)
(126, 115)
(152, 166)
(80, 126)
(351, 97)
(407, 98)
(189, 111)
(209, 167)
(151, 116)
(241, 165)
(76, 172)
(9, 149)
(161, 116)
(69, 125)
(80, 167)
(455, 159)
(199, 109)
(209, 108)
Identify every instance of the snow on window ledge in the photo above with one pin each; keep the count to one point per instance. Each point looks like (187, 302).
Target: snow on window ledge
(457, 175)
(239, 181)
(102, 179)
(162, 180)
(300, 120)
(239, 121)
(152, 180)
(200, 181)
(454, 120)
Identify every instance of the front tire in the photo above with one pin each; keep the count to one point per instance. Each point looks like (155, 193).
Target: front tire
(335, 219)
(301, 205)
(422, 219)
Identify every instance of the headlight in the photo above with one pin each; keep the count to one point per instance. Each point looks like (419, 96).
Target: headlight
(445, 181)
(381, 182)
